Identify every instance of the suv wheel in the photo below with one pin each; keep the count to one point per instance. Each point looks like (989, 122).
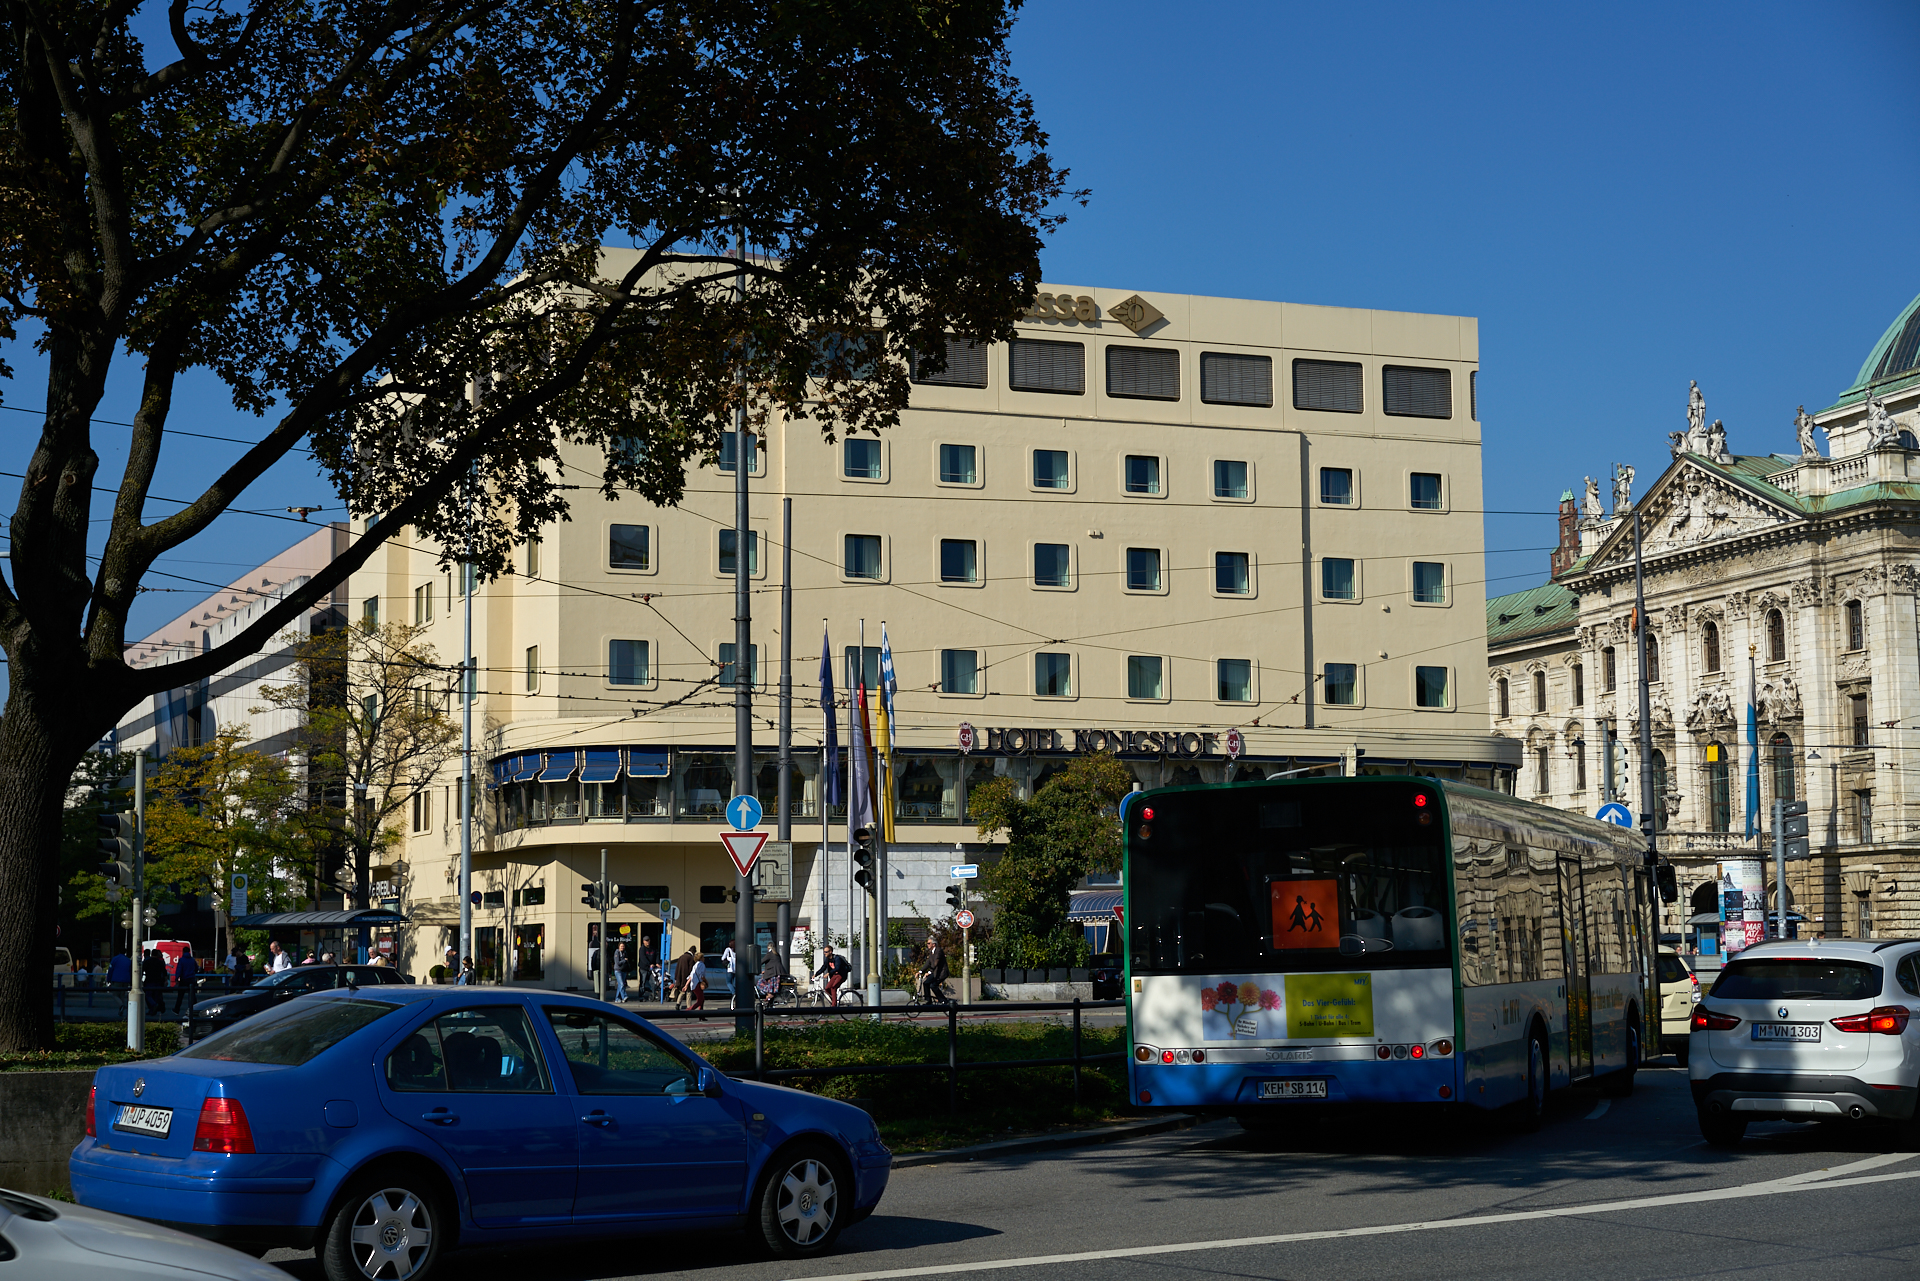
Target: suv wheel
(1721, 1129)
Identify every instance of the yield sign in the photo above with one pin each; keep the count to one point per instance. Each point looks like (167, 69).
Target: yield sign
(744, 848)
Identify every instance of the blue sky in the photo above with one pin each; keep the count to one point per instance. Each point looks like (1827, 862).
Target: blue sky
(1627, 196)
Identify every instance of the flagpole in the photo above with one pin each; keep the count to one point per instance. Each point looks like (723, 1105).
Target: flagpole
(783, 912)
(852, 888)
(884, 816)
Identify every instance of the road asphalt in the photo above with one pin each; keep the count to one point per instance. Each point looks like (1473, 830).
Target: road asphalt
(1608, 1188)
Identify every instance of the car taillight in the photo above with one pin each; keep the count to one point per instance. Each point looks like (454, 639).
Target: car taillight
(1706, 1020)
(223, 1127)
(1889, 1020)
(91, 1091)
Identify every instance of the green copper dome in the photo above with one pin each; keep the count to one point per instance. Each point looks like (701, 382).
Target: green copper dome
(1894, 361)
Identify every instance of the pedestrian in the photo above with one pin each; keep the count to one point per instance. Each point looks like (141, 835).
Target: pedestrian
(185, 971)
(281, 961)
(311, 959)
(242, 969)
(833, 971)
(326, 958)
(379, 960)
(119, 970)
(933, 975)
(697, 982)
(768, 985)
(620, 973)
(154, 979)
(450, 961)
(727, 956)
(466, 971)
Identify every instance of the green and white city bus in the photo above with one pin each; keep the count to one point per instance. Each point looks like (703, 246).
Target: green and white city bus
(1377, 939)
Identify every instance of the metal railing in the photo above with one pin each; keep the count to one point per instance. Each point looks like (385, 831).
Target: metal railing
(77, 997)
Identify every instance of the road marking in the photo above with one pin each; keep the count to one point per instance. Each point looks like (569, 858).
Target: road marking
(1599, 1109)
(1811, 1182)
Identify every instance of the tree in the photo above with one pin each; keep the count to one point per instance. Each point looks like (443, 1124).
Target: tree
(1069, 828)
(374, 733)
(380, 225)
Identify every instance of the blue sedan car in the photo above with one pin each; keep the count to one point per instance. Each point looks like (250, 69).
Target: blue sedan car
(383, 1126)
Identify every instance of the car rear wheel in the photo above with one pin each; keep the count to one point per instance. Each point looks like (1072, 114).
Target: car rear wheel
(1722, 1129)
(388, 1227)
(806, 1198)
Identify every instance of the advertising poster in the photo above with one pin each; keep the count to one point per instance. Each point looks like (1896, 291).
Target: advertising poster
(1743, 898)
(1321, 1005)
(1240, 1009)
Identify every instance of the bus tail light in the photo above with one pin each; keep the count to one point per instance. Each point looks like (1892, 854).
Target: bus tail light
(1442, 1048)
(1386, 1051)
(1143, 1054)
(1417, 1051)
(1166, 1056)
(1199, 1056)
(1146, 1096)
(1889, 1020)
(1183, 1056)
(1706, 1020)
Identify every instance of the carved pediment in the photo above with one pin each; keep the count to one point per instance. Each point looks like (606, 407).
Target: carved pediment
(1692, 506)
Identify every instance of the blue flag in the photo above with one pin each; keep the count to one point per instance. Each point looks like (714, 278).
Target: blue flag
(1753, 770)
(830, 783)
(887, 682)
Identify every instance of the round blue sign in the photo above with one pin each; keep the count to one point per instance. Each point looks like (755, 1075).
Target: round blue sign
(1615, 813)
(743, 813)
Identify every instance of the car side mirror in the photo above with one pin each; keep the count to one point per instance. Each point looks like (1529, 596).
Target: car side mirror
(708, 1082)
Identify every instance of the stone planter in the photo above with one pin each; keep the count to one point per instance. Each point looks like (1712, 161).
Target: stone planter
(995, 976)
(1080, 975)
(1059, 976)
(1013, 976)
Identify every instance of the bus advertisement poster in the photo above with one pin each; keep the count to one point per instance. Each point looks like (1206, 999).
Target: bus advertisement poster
(1323, 1005)
(1294, 1007)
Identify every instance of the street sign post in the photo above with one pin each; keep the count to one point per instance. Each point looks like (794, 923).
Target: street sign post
(964, 871)
(1615, 813)
(239, 895)
(773, 874)
(744, 849)
(744, 814)
(964, 918)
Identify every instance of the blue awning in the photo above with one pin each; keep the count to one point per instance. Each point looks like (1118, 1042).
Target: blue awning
(525, 767)
(352, 916)
(560, 767)
(502, 771)
(1094, 905)
(647, 764)
(602, 766)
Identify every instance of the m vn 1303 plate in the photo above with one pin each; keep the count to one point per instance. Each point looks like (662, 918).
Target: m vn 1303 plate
(1786, 1031)
(1297, 1089)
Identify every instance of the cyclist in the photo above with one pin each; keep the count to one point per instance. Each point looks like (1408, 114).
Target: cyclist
(834, 971)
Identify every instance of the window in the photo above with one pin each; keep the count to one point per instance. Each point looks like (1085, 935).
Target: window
(294, 1033)
(1416, 393)
(863, 556)
(1580, 765)
(1330, 385)
(1229, 478)
(533, 558)
(533, 669)
(628, 662)
(1710, 647)
(1143, 373)
(1857, 711)
(1653, 658)
(1659, 772)
(957, 465)
(489, 1050)
(966, 366)
(1227, 379)
(1429, 583)
(1503, 698)
(727, 674)
(860, 459)
(1144, 676)
(1340, 684)
(627, 451)
(631, 546)
(607, 1055)
(423, 811)
(959, 560)
(1473, 394)
(370, 611)
(1780, 753)
(1336, 486)
(1719, 789)
(1052, 566)
(858, 671)
(1234, 678)
(1143, 569)
(727, 564)
(1231, 574)
(1034, 364)
(1776, 637)
(1863, 816)
(959, 671)
(1542, 773)
(1539, 691)
(1856, 626)
(1142, 474)
(423, 604)
(1050, 469)
(1430, 687)
(1336, 578)
(1053, 675)
(1424, 491)
(730, 444)
(1579, 685)
(1608, 672)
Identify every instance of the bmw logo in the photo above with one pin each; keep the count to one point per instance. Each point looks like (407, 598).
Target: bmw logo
(1782, 1011)
(139, 1087)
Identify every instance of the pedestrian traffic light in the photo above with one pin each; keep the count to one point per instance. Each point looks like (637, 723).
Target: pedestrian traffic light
(954, 899)
(1668, 883)
(592, 896)
(863, 858)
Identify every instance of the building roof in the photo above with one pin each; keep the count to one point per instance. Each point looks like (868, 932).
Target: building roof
(1537, 611)
(1893, 364)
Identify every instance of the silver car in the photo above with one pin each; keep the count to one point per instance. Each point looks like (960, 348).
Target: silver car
(1822, 1030)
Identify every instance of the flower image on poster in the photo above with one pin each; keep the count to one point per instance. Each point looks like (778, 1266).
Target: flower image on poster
(1232, 1011)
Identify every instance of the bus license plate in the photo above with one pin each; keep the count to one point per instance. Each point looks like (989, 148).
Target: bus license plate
(1786, 1031)
(1293, 1089)
(139, 1120)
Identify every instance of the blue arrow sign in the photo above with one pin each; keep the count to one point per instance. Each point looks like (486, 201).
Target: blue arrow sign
(743, 813)
(1615, 813)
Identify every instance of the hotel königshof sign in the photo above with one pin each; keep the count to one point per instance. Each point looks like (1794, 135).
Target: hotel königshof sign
(1015, 742)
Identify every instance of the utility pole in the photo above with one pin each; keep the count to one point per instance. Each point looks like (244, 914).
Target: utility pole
(1647, 799)
(743, 458)
(606, 950)
(469, 685)
(783, 797)
(136, 1004)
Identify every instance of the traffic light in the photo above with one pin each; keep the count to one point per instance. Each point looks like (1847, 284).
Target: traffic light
(1622, 784)
(592, 897)
(954, 899)
(863, 858)
(1793, 829)
(1667, 882)
(150, 917)
(115, 845)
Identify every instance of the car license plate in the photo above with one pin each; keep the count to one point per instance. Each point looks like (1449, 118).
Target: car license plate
(139, 1120)
(1293, 1089)
(1786, 1031)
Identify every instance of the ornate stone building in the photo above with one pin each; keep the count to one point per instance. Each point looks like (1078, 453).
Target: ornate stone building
(1793, 577)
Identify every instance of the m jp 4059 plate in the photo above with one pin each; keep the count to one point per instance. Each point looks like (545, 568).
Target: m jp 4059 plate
(1786, 1031)
(1293, 1089)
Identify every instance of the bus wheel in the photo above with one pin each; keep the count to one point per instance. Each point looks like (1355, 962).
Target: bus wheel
(1620, 1084)
(1533, 1106)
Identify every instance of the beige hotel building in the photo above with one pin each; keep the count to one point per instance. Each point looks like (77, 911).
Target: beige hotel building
(1149, 520)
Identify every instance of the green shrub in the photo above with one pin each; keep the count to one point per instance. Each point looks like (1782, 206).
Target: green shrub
(111, 1038)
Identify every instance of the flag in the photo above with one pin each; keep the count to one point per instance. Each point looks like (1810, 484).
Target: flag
(860, 807)
(884, 737)
(1753, 768)
(830, 778)
(887, 683)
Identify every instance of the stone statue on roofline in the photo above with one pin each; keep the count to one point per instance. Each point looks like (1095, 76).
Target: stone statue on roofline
(1882, 430)
(1717, 443)
(1696, 409)
(1622, 488)
(1803, 427)
(1590, 505)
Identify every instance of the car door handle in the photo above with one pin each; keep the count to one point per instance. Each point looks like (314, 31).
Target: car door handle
(596, 1118)
(440, 1117)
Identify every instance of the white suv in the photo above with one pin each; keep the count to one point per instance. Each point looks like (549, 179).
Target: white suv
(1827, 1030)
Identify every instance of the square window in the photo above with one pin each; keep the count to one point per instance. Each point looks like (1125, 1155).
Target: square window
(1143, 373)
(1143, 569)
(1429, 583)
(1229, 379)
(1229, 478)
(959, 671)
(1143, 474)
(1333, 386)
(1341, 685)
(423, 604)
(966, 366)
(959, 560)
(1034, 364)
(858, 671)
(1050, 469)
(957, 465)
(370, 611)
(1144, 676)
(1424, 491)
(727, 564)
(1231, 574)
(1416, 393)
(863, 556)
(1336, 578)
(730, 445)
(1053, 675)
(1430, 687)
(728, 676)
(631, 546)
(1052, 565)
(1235, 679)
(627, 662)
(1336, 486)
(860, 459)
